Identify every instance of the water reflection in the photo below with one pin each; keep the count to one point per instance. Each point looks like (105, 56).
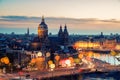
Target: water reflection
(89, 76)
(101, 76)
(108, 58)
(80, 77)
(95, 75)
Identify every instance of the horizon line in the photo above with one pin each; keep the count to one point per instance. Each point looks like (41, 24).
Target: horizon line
(58, 17)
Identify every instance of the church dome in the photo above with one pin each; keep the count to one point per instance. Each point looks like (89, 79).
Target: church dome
(42, 29)
(43, 24)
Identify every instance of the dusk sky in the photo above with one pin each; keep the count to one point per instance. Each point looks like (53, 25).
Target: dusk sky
(103, 15)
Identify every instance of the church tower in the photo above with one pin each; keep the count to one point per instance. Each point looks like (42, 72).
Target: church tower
(60, 33)
(27, 31)
(41, 42)
(65, 32)
(66, 35)
(60, 36)
(63, 36)
(42, 29)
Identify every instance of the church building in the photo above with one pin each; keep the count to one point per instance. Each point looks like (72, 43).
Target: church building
(43, 42)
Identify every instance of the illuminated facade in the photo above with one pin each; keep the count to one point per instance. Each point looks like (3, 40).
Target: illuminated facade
(42, 29)
(41, 41)
(117, 47)
(84, 44)
(109, 44)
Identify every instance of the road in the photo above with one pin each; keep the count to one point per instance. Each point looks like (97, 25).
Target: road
(99, 65)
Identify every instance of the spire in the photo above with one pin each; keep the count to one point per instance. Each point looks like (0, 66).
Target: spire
(60, 27)
(65, 26)
(60, 30)
(66, 35)
(27, 31)
(65, 29)
(42, 18)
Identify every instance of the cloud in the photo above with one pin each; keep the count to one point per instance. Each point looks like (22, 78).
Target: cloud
(83, 25)
(63, 20)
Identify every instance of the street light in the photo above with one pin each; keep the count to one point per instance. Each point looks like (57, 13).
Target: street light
(68, 63)
(47, 55)
(39, 54)
(52, 66)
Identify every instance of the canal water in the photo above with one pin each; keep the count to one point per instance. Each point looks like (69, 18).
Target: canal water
(89, 76)
(108, 58)
(95, 75)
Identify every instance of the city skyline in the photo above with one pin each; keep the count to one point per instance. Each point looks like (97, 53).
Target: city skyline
(19, 25)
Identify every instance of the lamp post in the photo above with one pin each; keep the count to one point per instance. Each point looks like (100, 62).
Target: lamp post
(52, 67)
(39, 54)
(40, 61)
(68, 63)
(46, 59)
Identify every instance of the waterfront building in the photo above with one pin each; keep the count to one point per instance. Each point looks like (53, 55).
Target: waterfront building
(86, 45)
(109, 44)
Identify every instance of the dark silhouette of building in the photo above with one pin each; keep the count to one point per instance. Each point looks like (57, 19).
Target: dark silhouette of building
(60, 36)
(44, 42)
(63, 36)
(66, 36)
(28, 31)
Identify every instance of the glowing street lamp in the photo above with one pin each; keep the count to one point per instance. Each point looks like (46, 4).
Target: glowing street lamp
(50, 62)
(39, 54)
(48, 54)
(52, 66)
(68, 63)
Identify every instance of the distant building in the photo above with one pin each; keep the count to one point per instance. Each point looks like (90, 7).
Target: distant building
(109, 44)
(86, 45)
(41, 41)
(63, 36)
(44, 42)
(28, 32)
